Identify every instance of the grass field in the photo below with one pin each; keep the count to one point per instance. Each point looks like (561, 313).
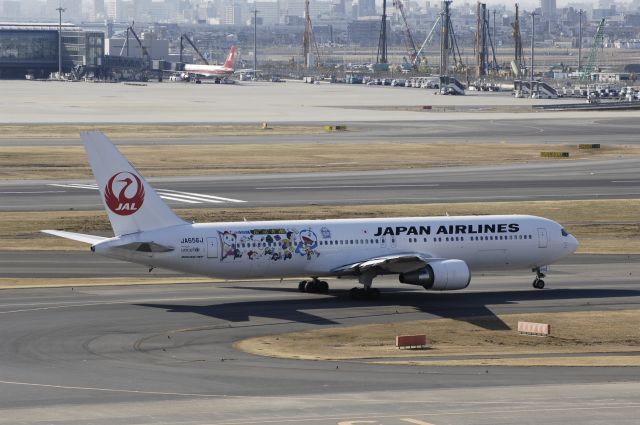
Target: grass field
(593, 333)
(69, 162)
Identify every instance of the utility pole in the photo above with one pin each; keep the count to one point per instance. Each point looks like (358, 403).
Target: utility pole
(60, 10)
(445, 47)
(533, 36)
(255, 41)
(581, 12)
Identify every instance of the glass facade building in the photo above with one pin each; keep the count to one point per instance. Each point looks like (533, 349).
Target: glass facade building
(33, 49)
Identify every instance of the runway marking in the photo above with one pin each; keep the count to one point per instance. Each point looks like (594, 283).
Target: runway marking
(169, 194)
(382, 186)
(218, 198)
(34, 192)
(415, 421)
(625, 181)
(180, 200)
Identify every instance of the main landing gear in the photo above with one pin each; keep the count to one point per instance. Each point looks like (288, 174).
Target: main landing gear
(366, 292)
(314, 286)
(538, 283)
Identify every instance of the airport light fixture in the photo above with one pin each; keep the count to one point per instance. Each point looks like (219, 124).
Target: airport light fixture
(60, 9)
(581, 12)
(533, 35)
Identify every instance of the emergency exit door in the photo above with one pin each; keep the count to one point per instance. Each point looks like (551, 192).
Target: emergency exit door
(212, 247)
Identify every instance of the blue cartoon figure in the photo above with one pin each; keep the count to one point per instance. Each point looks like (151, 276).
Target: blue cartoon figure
(307, 244)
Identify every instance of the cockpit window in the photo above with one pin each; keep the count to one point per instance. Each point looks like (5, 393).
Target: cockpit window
(564, 232)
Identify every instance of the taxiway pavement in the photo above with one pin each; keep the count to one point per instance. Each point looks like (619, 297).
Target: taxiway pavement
(596, 179)
(164, 354)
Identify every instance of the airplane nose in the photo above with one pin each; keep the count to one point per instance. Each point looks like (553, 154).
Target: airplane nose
(573, 244)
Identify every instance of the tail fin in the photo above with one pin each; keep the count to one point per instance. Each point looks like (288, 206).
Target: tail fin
(231, 59)
(131, 203)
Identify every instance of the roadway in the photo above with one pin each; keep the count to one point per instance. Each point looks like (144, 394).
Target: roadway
(596, 179)
(164, 354)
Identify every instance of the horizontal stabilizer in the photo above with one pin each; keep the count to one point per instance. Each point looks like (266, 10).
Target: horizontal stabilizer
(80, 237)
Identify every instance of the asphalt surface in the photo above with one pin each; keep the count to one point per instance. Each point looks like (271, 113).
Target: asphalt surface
(164, 354)
(555, 129)
(615, 178)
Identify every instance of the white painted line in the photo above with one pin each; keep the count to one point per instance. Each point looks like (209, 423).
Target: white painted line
(625, 181)
(219, 198)
(74, 186)
(180, 200)
(195, 198)
(35, 192)
(383, 186)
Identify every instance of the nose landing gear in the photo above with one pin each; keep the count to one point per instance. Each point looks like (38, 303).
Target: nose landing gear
(538, 283)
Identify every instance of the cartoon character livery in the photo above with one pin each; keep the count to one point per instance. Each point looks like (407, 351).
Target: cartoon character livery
(437, 253)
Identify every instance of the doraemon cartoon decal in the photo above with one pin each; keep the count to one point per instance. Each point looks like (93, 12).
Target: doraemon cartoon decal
(229, 243)
(307, 244)
(269, 244)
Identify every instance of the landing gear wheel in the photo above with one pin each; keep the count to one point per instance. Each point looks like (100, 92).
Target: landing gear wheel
(314, 286)
(302, 286)
(364, 293)
(538, 283)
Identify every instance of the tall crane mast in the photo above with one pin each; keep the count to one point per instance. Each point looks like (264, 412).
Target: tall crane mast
(517, 38)
(186, 37)
(408, 37)
(598, 40)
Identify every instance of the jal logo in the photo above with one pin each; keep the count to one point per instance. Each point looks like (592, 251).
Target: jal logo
(124, 193)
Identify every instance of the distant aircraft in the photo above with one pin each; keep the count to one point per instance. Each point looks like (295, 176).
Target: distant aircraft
(213, 71)
(438, 253)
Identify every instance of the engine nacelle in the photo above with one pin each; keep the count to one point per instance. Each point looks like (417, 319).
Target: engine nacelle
(445, 275)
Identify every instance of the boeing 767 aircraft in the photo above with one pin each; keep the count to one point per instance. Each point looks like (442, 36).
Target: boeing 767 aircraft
(438, 253)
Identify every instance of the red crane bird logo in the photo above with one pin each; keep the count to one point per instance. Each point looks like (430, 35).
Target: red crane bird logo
(123, 204)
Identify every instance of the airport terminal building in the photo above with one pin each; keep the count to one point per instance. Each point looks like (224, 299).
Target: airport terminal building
(32, 48)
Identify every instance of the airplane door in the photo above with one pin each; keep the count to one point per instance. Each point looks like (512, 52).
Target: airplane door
(542, 237)
(383, 242)
(212, 247)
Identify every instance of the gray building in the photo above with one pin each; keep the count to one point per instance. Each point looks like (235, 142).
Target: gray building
(33, 49)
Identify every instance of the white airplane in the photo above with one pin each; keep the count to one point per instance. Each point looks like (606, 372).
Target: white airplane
(213, 71)
(438, 253)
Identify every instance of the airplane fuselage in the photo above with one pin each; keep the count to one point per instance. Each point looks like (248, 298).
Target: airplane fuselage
(275, 249)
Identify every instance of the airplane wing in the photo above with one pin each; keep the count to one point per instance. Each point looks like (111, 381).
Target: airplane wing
(396, 263)
(80, 237)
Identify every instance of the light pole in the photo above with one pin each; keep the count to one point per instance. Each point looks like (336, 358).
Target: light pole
(255, 42)
(60, 10)
(580, 41)
(533, 35)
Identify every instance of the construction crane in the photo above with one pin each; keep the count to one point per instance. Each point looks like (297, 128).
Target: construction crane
(308, 40)
(381, 57)
(186, 37)
(517, 38)
(408, 38)
(598, 40)
(145, 53)
(428, 39)
(483, 42)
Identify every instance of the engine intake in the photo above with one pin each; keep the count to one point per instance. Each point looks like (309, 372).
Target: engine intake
(445, 275)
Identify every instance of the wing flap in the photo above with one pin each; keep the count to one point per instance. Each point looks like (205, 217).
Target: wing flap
(397, 263)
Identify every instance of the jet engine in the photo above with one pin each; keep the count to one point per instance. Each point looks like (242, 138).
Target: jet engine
(445, 275)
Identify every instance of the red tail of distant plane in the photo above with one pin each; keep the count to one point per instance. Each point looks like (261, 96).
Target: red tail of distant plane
(231, 59)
